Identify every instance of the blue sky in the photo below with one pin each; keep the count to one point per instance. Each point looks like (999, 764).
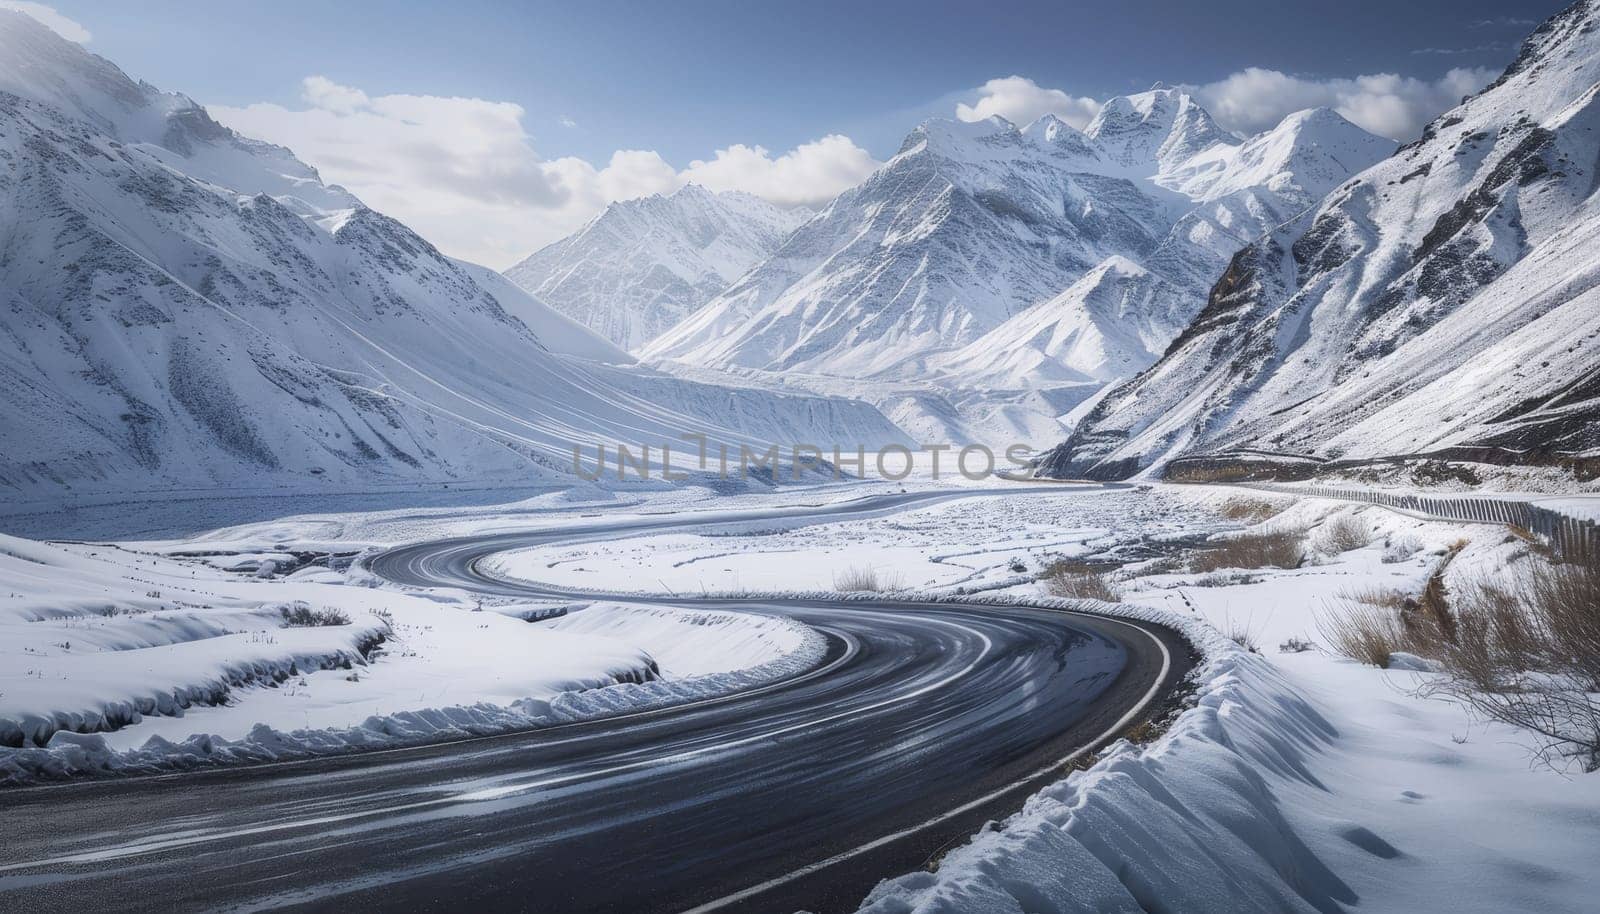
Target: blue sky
(576, 82)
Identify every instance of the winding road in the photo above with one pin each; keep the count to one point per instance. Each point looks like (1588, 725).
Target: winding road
(925, 720)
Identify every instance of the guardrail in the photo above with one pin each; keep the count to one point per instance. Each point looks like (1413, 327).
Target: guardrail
(1569, 537)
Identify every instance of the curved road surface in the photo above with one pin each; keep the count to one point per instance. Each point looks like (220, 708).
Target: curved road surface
(924, 721)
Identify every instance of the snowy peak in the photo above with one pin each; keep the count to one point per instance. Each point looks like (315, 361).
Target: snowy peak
(1444, 301)
(1152, 131)
(1308, 153)
(642, 265)
(1059, 138)
(960, 140)
(973, 223)
(38, 65)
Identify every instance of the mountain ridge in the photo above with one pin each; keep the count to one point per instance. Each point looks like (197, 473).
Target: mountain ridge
(1443, 300)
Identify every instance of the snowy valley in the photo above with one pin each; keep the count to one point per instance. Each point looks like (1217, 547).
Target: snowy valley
(651, 575)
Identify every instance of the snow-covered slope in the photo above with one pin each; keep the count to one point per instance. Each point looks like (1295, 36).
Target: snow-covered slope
(1446, 297)
(643, 265)
(243, 325)
(971, 225)
(1107, 325)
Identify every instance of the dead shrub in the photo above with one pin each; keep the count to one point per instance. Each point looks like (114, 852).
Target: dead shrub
(1367, 626)
(1527, 653)
(1267, 549)
(1242, 634)
(865, 579)
(1247, 509)
(301, 615)
(1076, 581)
(1342, 533)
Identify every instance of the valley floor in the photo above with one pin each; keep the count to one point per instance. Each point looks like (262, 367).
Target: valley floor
(1296, 780)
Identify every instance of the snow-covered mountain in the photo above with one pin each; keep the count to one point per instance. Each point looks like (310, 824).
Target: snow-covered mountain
(1448, 297)
(184, 307)
(1107, 325)
(971, 225)
(643, 265)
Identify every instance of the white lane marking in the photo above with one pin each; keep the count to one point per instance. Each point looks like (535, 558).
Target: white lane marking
(1113, 730)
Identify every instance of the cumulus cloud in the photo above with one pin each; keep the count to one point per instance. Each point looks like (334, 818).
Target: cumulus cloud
(810, 174)
(1021, 101)
(464, 172)
(67, 28)
(1387, 104)
(1256, 99)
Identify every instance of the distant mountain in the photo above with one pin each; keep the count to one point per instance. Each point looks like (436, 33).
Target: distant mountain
(971, 225)
(643, 265)
(182, 307)
(1109, 324)
(1444, 300)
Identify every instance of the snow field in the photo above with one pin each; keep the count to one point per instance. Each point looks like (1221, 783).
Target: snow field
(117, 661)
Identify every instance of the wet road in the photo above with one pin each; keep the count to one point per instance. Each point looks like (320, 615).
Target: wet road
(924, 721)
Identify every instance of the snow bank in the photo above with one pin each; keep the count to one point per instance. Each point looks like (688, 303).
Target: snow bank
(713, 654)
(1189, 823)
(115, 687)
(119, 661)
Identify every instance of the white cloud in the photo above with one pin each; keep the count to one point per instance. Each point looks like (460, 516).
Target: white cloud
(1394, 106)
(322, 92)
(67, 28)
(567, 121)
(1256, 99)
(464, 172)
(1021, 101)
(811, 174)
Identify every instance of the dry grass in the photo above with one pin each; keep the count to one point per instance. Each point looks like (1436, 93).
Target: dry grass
(1077, 581)
(1342, 533)
(866, 579)
(1242, 634)
(1247, 509)
(1527, 653)
(1366, 625)
(1268, 549)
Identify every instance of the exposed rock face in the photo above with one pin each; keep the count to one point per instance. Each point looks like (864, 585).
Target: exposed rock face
(1444, 298)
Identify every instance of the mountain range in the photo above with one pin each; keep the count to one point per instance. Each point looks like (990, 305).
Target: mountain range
(184, 307)
(1443, 301)
(975, 229)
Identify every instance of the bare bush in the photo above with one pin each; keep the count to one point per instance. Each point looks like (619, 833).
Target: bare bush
(1526, 652)
(866, 579)
(1268, 549)
(1248, 509)
(1242, 634)
(1366, 626)
(1342, 533)
(301, 615)
(1077, 581)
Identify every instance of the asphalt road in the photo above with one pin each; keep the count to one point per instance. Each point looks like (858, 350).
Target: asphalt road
(925, 721)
